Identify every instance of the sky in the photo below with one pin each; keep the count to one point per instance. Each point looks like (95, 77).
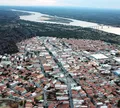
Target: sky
(78, 3)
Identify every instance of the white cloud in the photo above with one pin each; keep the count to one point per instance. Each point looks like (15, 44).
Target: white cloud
(46, 2)
(28, 2)
(78, 3)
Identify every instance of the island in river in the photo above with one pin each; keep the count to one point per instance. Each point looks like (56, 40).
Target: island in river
(13, 30)
(55, 19)
(39, 17)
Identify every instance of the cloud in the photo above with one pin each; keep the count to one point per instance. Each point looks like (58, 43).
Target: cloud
(46, 2)
(28, 2)
(78, 3)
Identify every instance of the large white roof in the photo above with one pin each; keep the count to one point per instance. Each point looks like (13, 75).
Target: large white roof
(99, 56)
(117, 59)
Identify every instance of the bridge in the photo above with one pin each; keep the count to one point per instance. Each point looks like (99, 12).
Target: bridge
(100, 26)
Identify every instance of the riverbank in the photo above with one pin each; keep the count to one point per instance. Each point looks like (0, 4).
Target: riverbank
(39, 17)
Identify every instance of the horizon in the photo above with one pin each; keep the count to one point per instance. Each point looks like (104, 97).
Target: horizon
(71, 7)
(99, 4)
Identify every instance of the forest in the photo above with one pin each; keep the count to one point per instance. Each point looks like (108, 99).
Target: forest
(101, 16)
(13, 30)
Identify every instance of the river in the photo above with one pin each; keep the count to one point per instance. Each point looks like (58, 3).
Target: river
(39, 17)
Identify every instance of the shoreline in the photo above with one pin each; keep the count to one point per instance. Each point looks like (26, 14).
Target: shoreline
(36, 16)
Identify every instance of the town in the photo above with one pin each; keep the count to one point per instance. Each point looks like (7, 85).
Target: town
(50, 72)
